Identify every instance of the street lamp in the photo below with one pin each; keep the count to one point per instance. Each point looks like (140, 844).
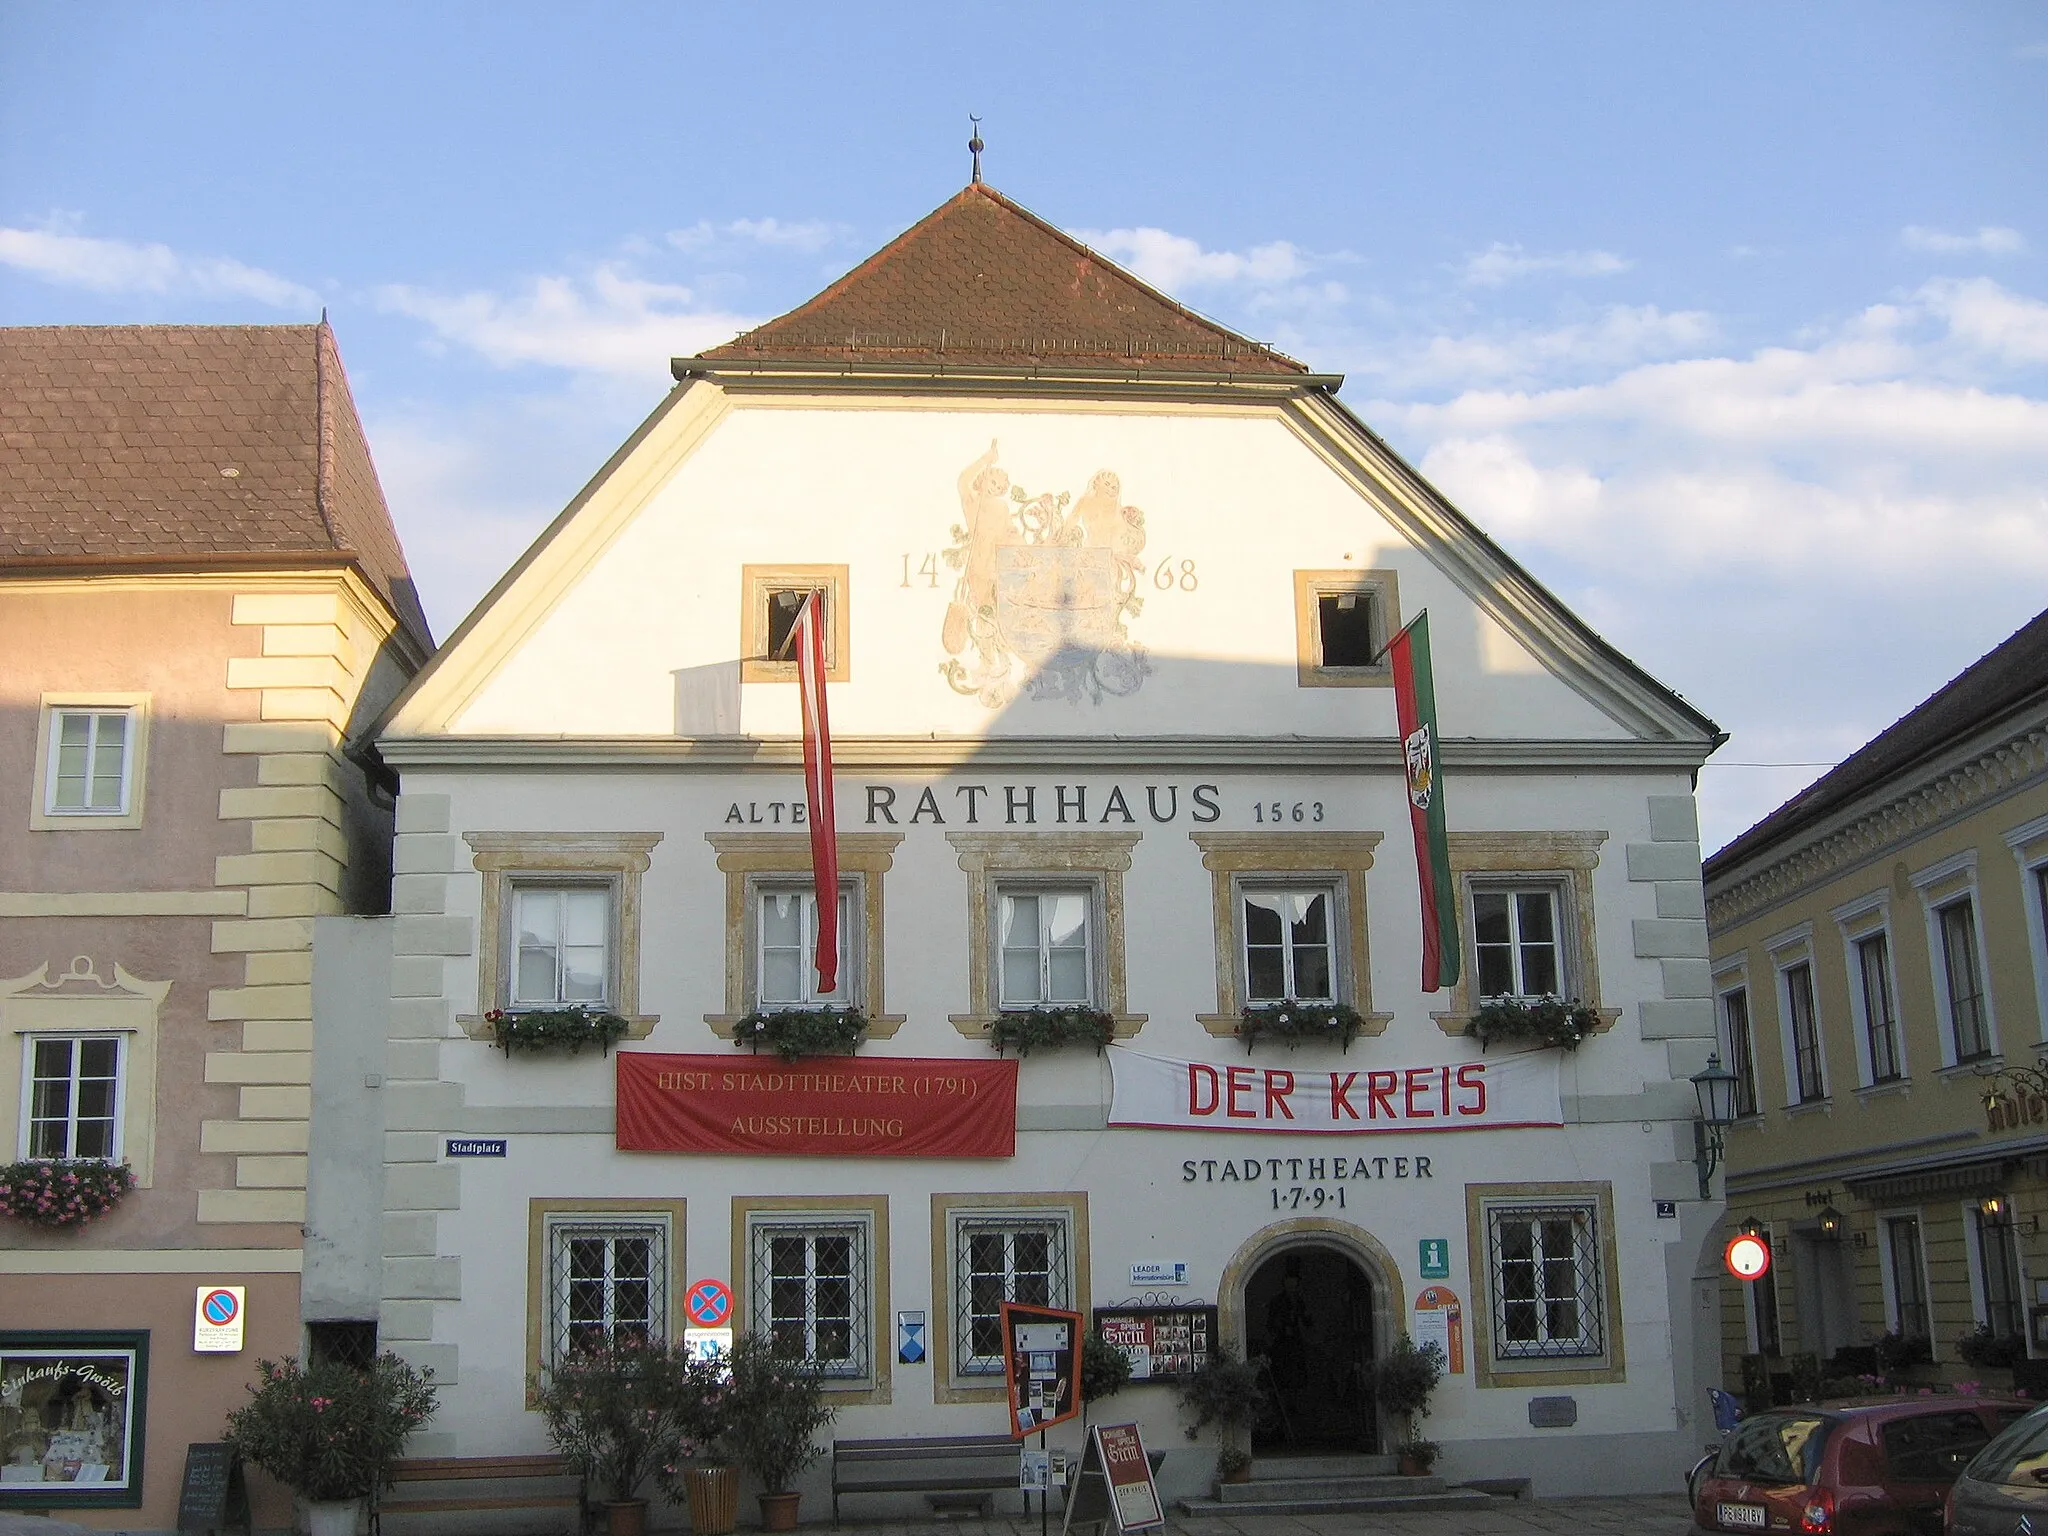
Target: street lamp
(1830, 1223)
(1716, 1090)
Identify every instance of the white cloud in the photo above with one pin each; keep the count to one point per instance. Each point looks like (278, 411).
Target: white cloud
(1989, 240)
(57, 255)
(609, 322)
(1174, 263)
(2031, 51)
(1500, 264)
(1982, 315)
(1617, 336)
(808, 235)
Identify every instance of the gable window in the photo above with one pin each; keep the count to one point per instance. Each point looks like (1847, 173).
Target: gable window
(1515, 941)
(1880, 1027)
(1905, 1279)
(1288, 937)
(90, 754)
(1741, 1049)
(1804, 1034)
(786, 928)
(1342, 621)
(74, 1090)
(1046, 949)
(563, 946)
(1962, 979)
(770, 597)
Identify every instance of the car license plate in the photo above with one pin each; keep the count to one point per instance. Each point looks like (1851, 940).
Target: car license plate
(1741, 1516)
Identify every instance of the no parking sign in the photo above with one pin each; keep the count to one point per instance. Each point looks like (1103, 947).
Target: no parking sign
(217, 1319)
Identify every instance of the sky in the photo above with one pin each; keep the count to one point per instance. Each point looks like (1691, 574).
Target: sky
(1729, 322)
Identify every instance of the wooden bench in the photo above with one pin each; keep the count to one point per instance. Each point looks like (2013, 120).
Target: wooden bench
(975, 1466)
(443, 1485)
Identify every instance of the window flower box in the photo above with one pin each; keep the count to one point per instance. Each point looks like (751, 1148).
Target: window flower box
(554, 1029)
(794, 1032)
(1290, 1024)
(1537, 1021)
(62, 1192)
(1025, 1030)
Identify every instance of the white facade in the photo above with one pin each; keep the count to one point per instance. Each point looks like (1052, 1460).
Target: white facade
(591, 719)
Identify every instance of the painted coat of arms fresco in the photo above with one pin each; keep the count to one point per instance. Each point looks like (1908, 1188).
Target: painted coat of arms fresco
(1047, 584)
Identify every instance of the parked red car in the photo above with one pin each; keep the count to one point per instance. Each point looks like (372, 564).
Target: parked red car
(1875, 1468)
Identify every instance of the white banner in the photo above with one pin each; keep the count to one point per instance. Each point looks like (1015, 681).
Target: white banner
(1511, 1092)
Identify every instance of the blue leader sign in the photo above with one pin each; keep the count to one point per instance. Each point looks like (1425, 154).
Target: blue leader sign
(476, 1146)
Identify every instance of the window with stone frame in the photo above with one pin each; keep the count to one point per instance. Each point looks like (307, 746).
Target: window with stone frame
(785, 973)
(1741, 1049)
(1874, 989)
(73, 1090)
(1021, 1257)
(1998, 1272)
(561, 945)
(1545, 1281)
(92, 753)
(1046, 946)
(1963, 980)
(809, 1275)
(1291, 942)
(1517, 941)
(1809, 1084)
(1907, 1289)
(607, 1282)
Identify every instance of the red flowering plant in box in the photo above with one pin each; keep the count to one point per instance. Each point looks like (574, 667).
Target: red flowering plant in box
(63, 1192)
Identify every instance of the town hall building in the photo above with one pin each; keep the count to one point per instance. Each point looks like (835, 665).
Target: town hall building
(1107, 593)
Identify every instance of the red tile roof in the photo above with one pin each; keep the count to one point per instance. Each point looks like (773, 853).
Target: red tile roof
(983, 281)
(115, 442)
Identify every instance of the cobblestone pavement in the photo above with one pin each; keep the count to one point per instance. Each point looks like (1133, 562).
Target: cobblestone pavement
(1644, 1515)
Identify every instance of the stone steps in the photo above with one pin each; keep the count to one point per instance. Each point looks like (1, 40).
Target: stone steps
(1324, 1485)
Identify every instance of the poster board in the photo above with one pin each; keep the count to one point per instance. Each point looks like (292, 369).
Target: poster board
(1042, 1366)
(213, 1496)
(1162, 1343)
(1115, 1483)
(1440, 1320)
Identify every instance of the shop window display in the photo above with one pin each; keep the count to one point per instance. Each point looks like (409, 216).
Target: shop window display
(71, 1418)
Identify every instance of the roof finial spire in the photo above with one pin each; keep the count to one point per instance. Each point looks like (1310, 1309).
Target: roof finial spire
(974, 146)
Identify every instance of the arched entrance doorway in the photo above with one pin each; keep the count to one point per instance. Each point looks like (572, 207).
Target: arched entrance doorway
(1309, 1309)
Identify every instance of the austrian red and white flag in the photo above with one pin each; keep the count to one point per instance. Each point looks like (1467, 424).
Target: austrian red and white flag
(808, 638)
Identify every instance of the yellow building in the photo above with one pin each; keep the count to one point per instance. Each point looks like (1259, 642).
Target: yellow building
(1880, 971)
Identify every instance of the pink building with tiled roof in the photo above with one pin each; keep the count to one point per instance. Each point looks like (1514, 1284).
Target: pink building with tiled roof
(201, 593)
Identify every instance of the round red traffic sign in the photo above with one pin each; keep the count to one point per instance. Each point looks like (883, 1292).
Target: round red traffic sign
(709, 1303)
(1747, 1257)
(219, 1307)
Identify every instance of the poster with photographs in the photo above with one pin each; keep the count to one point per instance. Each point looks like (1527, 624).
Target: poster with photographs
(1163, 1343)
(70, 1417)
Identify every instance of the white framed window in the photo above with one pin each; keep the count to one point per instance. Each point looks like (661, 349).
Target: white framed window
(1290, 942)
(809, 1274)
(561, 945)
(1544, 1276)
(1022, 1256)
(1741, 1048)
(607, 1280)
(1517, 945)
(1806, 1077)
(1046, 946)
(90, 754)
(1903, 1267)
(72, 1097)
(785, 947)
(1872, 966)
(2029, 844)
(1997, 1291)
(1961, 978)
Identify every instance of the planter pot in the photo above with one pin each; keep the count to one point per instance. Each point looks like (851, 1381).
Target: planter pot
(333, 1517)
(1241, 1474)
(714, 1499)
(625, 1517)
(1414, 1466)
(778, 1511)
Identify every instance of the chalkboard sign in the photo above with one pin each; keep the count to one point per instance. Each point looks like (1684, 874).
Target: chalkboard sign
(214, 1497)
(1162, 1343)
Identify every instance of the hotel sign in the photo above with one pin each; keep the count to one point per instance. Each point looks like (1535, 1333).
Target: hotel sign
(1159, 1093)
(821, 1106)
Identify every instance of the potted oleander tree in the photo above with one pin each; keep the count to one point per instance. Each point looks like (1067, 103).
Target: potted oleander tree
(328, 1431)
(1402, 1380)
(770, 1409)
(1229, 1393)
(618, 1410)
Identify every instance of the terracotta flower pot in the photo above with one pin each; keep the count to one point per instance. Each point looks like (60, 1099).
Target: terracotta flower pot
(714, 1499)
(778, 1511)
(1241, 1474)
(625, 1517)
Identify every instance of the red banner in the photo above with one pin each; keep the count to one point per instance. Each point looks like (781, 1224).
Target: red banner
(820, 1106)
